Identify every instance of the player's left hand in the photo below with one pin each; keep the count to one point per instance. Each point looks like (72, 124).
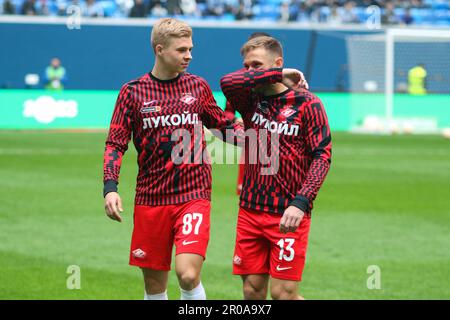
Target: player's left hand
(239, 121)
(294, 79)
(291, 219)
(113, 206)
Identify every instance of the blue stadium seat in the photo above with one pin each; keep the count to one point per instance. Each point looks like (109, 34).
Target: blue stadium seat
(361, 13)
(399, 12)
(267, 12)
(417, 15)
(440, 16)
(427, 16)
(272, 2)
(202, 7)
(435, 12)
(17, 5)
(109, 7)
(228, 17)
(293, 10)
(53, 7)
(440, 4)
(210, 18)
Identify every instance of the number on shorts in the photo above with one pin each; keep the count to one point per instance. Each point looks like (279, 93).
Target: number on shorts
(290, 243)
(187, 222)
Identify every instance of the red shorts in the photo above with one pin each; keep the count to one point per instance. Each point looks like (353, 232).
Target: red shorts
(262, 249)
(157, 228)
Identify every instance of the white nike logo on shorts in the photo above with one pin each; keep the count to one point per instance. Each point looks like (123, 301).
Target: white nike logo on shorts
(282, 269)
(149, 102)
(185, 243)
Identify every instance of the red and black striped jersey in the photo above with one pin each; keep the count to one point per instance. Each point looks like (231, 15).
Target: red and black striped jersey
(230, 110)
(153, 111)
(300, 156)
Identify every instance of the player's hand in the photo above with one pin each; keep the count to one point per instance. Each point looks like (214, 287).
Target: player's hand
(239, 121)
(291, 219)
(294, 79)
(113, 206)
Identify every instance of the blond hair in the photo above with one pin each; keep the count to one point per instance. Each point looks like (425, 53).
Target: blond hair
(167, 28)
(270, 44)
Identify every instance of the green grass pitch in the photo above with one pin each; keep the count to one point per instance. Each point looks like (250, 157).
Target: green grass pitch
(386, 202)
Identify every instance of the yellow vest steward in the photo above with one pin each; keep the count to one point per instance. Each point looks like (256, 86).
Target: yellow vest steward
(416, 80)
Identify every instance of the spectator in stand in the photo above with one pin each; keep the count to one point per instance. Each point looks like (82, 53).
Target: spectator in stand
(313, 10)
(61, 7)
(333, 12)
(348, 14)
(284, 12)
(407, 17)
(8, 7)
(334, 18)
(215, 8)
(388, 16)
(29, 8)
(158, 10)
(139, 9)
(189, 7)
(302, 11)
(244, 11)
(416, 3)
(92, 9)
(43, 9)
(173, 7)
(123, 7)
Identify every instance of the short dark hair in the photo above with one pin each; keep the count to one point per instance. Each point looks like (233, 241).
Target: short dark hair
(269, 43)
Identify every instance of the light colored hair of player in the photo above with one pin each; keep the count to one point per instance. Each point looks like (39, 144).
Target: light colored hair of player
(272, 45)
(166, 29)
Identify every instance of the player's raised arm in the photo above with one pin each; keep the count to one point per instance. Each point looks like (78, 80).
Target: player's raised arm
(237, 85)
(214, 117)
(249, 79)
(116, 145)
(318, 139)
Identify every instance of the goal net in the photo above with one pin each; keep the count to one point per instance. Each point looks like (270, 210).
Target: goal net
(390, 92)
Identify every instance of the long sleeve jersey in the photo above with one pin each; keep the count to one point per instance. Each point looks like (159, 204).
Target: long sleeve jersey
(300, 157)
(159, 115)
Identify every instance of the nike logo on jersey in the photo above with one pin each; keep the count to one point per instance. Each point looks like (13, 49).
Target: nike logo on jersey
(283, 268)
(150, 102)
(185, 243)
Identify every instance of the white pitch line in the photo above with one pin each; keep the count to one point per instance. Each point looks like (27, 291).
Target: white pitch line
(25, 152)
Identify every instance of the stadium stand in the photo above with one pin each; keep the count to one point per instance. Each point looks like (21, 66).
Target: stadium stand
(397, 12)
